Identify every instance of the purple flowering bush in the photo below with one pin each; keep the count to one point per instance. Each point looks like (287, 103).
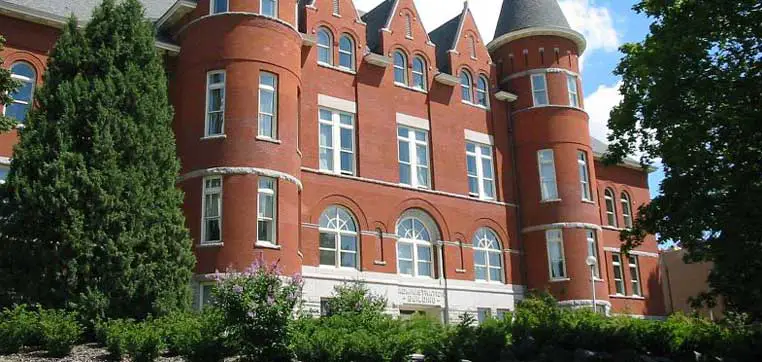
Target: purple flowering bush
(257, 306)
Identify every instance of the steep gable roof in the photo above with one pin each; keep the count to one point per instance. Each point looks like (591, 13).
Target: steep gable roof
(82, 9)
(444, 38)
(375, 20)
(521, 14)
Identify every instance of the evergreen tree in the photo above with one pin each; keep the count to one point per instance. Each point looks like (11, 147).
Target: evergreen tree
(7, 86)
(92, 217)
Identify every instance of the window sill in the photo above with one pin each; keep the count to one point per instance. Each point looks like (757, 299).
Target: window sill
(591, 202)
(480, 197)
(599, 280)
(490, 282)
(614, 228)
(415, 187)
(218, 244)
(460, 271)
(414, 89)
(338, 69)
(379, 262)
(266, 245)
(550, 201)
(268, 139)
(479, 106)
(621, 296)
(560, 280)
(214, 137)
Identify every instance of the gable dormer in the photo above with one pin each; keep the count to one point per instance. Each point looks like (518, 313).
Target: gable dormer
(459, 44)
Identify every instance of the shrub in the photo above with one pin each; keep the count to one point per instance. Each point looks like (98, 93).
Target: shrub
(116, 334)
(257, 307)
(18, 327)
(355, 298)
(60, 331)
(199, 337)
(144, 341)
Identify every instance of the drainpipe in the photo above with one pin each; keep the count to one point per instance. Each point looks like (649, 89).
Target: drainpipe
(517, 188)
(446, 316)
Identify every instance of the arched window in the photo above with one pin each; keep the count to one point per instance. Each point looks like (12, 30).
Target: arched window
(338, 238)
(400, 68)
(488, 256)
(608, 196)
(408, 26)
(346, 52)
(22, 97)
(466, 85)
(336, 8)
(472, 44)
(325, 46)
(626, 210)
(482, 89)
(419, 73)
(415, 252)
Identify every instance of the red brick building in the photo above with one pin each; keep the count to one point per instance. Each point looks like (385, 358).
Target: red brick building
(448, 174)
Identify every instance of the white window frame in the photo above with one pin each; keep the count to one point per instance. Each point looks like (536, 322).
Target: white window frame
(592, 245)
(212, 7)
(634, 268)
(466, 88)
(274, 90)
(483, 314)
(336, 7)
(480, 237)
(610, 203)
(204, 218)
(327, 47)
(584, 176)
(550, 179)
(480, 175)
(415, 243)
(337, 232)
(412, 142)
(421, 74)
(536, 89)
(203, 289)
(403, 68)
(571, 84)
(478, 91)
(261, 218)
(24, 80)
(350, 52)
(556, 236)
(209, 88)
(626, 209)
(616, 263)
(275, 8)
(336, 150)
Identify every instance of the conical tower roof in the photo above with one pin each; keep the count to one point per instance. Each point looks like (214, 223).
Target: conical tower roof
(534, 16)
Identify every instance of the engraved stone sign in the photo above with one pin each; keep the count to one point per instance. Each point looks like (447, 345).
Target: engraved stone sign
(421, 296)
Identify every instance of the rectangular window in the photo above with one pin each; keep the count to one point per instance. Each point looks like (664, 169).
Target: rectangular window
(269, 8)
(547, 166)
(503, 313)
(635, 276)
(571, 82)
(556, 254)
(539, 90)
(413, 157)
(206, 294)
(584, 176)
(211, 223)
(337, 141)
(592, 250)
(325, 309)
(616, 262)
(483, 314)
(480, 169)
(215, 103)
(218, 6)
(267, 206)
(336, 7)
(268, 105)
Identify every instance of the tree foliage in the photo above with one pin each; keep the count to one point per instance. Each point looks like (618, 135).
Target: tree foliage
(7, 86)
(693, 98)
(91, 217)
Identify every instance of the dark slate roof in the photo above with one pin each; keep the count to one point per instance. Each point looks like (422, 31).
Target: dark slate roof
(82, 9)
(375, 20)
(521, 14)
(444, 38)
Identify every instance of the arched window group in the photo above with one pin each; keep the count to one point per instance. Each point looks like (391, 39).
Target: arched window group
(488, 256)
(418, 78)
(471, 93)
(338, 238)
(22, 97)
(325, 48)
(611, 212)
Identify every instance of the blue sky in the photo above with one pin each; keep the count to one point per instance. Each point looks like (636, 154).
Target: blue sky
(606, 25)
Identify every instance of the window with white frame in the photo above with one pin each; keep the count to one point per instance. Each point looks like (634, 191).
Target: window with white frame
(488, 256)
(215, 103)
(482, 89)
(592, 250)
(584, 176)
(547, 167)
(413, 156)
(346, 52)
(466, 86)
(211, 223)
(415, 253)
(400, 68)
(218, 6)
(626, 210)
(539, 90)
(23, 96)
(325, 46)
(337, 142)
(556, 260)
(269, 8)
(203, 293)
(635, 275)
(336, 8)
(482, 314)
(616, 263)
(266, 210)
(268, 105)
(608, 196)
(481, 171)
(571, 83)
(338, 238)
(419, 73)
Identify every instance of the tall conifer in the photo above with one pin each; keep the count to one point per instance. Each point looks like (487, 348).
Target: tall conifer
(92, 216)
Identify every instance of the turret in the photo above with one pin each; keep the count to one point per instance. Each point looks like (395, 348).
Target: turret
(537, 57)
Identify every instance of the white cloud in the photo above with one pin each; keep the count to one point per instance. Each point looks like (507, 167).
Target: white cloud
(599, 105)
(594, 22)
